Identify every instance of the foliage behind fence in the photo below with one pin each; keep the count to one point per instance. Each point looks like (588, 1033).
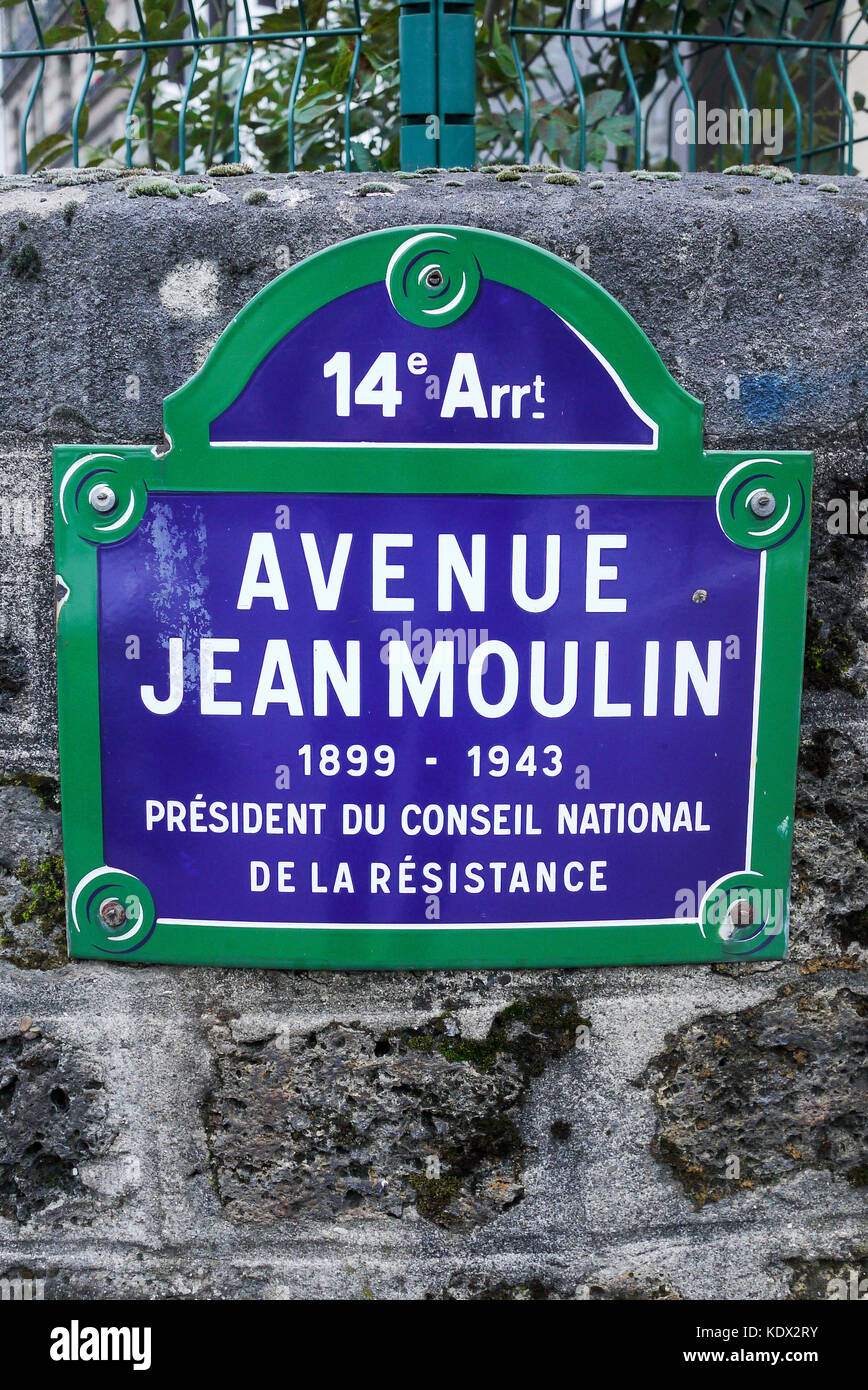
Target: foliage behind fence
(315, 83)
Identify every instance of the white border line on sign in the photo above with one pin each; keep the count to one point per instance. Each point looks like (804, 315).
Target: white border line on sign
(757, 680)
(423, 926)
(633, 404)
(424, 444)
(536, 926)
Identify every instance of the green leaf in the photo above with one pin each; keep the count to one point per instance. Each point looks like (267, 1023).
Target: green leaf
(47, 150)
(621, 130)
(361, 156)
(503, 54)
(602, 103)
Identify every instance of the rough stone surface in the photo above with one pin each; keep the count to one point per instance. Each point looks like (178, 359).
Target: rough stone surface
(843, 1277)
(218, 1139)
(50, 1124)
(32, 913)
(341, 1122)
(766, 1091)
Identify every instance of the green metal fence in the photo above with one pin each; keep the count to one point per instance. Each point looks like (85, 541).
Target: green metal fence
(366, 84)
(784, 58)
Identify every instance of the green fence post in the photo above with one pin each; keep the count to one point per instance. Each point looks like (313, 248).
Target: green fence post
(438, 83)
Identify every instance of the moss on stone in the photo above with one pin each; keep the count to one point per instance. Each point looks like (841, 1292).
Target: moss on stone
(655, 175)
(433, 1196)
(41, 945)
(829, 657)
(153, 188)
(47, 900)
(25, 263)
(479, 1052)
(68, 178)
(535, 1029)
(256, 197)
(46, 788)
(230, 170)
(562, 177)
(508, 176)
(527, 1032)
(344, 1119)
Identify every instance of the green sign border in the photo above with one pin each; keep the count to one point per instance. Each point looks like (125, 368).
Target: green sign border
(678, 466)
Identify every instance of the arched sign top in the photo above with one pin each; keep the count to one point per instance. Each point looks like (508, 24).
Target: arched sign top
(435, 337)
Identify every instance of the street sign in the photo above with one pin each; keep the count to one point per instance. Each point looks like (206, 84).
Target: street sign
(433, 639)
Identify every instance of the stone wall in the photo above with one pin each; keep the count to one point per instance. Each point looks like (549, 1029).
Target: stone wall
(207, 1132)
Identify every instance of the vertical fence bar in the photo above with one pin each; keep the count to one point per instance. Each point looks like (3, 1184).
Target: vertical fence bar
(847, 114)
(797, 106)
(293, 98)
(137, 87)
(637, 105)
(847, 117)
(79, 106)
(239, 98)
(456, 83)
(420, 118)
(351, 82)
(525, 94)
(739, 90)
(583, 108)
(438, 83)
(685, 87)
(35, 87)
(188, 90)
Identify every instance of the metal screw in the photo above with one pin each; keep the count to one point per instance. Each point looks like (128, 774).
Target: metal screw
(102, 498)
(700, 595)
(434, 278)
(762, 503)
(741, 913)
(113, 913)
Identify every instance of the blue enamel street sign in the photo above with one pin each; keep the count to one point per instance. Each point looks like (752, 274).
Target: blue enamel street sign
(434, 639)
